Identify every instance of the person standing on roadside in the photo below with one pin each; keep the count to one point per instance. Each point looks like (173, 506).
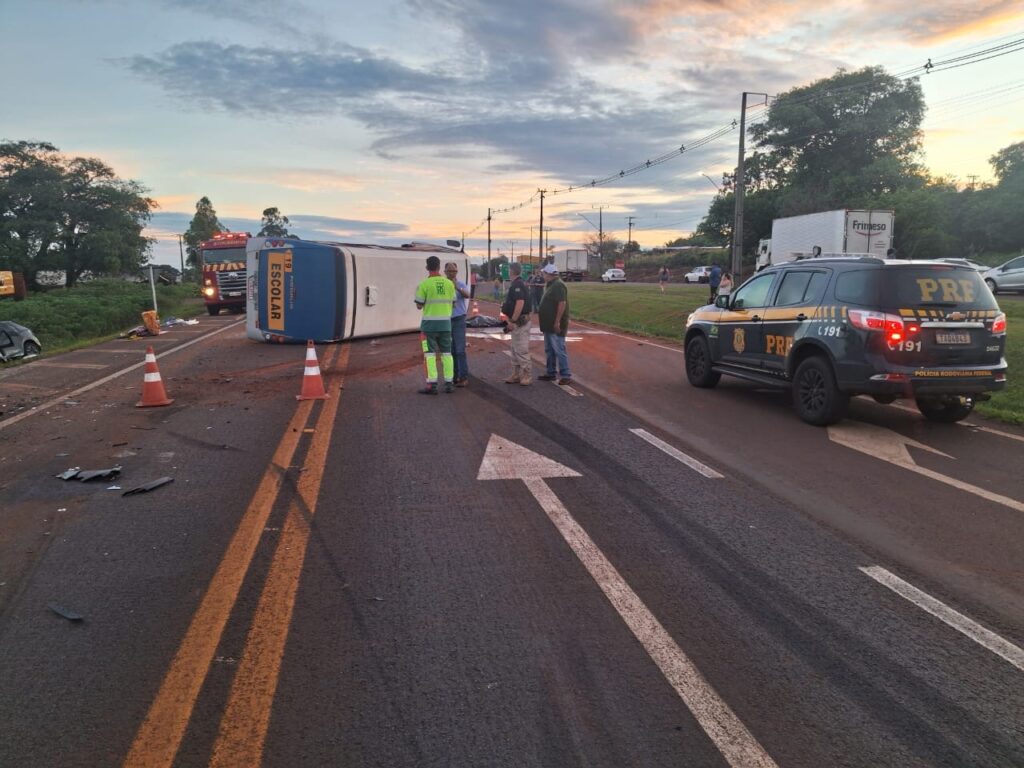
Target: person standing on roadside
(435, 296)
(663, 278)
(714, 280)
(554, 324)
(462, 292)
(725, 287)
(536, 288)
(472, 283)
(517, 311)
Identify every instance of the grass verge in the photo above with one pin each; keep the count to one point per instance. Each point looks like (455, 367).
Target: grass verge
(69, 318)
(645, 310)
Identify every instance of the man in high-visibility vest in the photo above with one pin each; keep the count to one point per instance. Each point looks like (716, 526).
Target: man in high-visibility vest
(435, 297)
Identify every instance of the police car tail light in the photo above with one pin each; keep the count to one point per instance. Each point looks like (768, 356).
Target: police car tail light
(999, 324)
(890, 325)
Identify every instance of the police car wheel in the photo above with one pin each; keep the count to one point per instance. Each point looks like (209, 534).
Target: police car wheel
(945, 410)
(698, 364)
(816, 397)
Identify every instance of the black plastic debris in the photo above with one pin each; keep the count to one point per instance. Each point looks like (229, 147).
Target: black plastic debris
(67, 614)
(99, 474)
(151, 486)
(76, 473)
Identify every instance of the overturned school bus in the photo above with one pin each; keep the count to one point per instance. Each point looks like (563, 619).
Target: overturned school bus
(300, 289)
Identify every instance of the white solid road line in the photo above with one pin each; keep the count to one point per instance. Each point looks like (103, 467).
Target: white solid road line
(505, 460)
(984, 637)
(689, 461)
(737, 744)
(58, 400)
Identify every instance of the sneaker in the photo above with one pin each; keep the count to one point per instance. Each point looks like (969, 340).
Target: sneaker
(565, 380)
(462, 383)
(512, 380)
(449, 387)
(430, 389)
(546, 377)
(525, 382)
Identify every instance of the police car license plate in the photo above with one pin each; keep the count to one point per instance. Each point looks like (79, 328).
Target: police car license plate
(953, 338)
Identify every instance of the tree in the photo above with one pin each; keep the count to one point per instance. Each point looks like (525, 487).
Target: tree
(607, 249)
(844, 140)
(274, 224)
(203, 226)
(68, 214)
(1008, 161)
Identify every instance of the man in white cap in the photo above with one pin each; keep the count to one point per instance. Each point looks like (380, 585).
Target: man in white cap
(553, 314)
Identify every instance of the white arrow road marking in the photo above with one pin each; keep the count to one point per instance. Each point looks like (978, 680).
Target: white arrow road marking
(505, 460)
(891, 446)
(678, 455)
(968, 424)
(990, 640)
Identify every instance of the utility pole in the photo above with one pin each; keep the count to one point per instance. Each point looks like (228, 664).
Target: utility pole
(600, 235)
(181, 252)
(531, 244)
(737, 226)
(547, 243)
(540, 232)
(629, 237)
(513, 244)
(490, 266)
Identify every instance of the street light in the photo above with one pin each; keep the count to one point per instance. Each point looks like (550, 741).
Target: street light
(712, 181)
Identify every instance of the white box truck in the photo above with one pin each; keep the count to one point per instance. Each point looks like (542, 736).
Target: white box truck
(572, 264)
(829, 232)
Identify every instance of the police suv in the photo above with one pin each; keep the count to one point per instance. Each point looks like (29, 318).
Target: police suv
(837, 326)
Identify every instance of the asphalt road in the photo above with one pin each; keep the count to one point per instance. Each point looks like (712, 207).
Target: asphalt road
(622, 572)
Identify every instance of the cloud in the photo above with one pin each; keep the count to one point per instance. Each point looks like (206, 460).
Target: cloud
(167, 224)
(267, 80)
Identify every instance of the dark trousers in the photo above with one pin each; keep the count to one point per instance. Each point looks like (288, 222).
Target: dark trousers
(459, 347)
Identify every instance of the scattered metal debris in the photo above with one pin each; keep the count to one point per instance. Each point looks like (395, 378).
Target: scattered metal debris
(114, 488)
(67, 614)
(99, 474)
(153, 485)
(69, 473)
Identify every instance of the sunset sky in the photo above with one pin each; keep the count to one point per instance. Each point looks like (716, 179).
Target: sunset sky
(405, 120)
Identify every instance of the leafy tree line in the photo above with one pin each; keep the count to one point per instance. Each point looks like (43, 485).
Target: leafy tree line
(70, 214)
(74, 215)
(854, 141)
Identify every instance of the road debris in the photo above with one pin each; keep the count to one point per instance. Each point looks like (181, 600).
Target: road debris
(67, 614)
(150, 486)
(69, 473)
(76, 473)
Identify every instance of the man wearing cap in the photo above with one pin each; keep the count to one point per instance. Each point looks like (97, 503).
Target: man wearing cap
(554, 324)
(517, 311)
(435, 296)
(462, 292)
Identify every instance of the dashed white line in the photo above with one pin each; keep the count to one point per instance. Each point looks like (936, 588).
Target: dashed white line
(984, 637)
(100, 382)
(678, 455)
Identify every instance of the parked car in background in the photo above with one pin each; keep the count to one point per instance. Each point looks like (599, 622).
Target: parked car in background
(613, 276)
(698, 275)
(1006, 277)
(969, 263)
(17, 341)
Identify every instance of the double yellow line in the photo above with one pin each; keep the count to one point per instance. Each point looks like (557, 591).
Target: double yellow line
(243, 727)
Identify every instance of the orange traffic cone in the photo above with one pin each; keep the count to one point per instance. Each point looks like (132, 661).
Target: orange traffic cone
(312, 381)
(153, 393)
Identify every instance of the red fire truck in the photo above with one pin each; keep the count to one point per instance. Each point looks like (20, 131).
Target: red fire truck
(224, 271)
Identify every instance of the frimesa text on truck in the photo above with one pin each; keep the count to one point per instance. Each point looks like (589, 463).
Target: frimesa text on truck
(223, 266)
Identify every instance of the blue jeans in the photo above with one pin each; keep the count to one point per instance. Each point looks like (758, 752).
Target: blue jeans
(554, 351)
(459, 347)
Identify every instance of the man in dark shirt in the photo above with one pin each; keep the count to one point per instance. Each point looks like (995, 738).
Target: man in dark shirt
(554, 324)
(516, 310)
(714, 280)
